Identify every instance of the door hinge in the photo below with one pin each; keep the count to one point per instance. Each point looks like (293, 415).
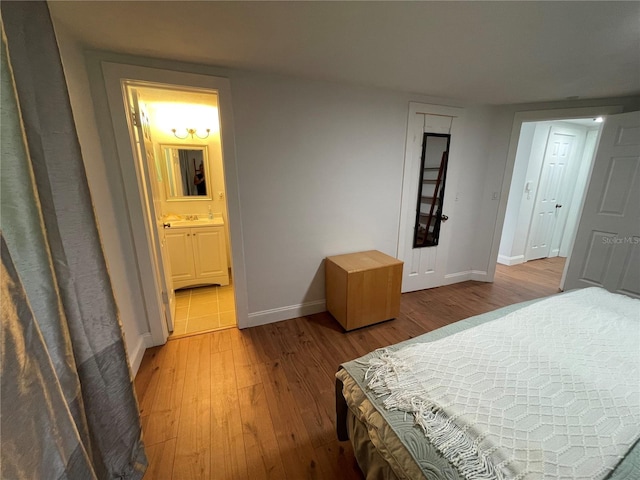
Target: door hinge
(165, 297)
(134, 117)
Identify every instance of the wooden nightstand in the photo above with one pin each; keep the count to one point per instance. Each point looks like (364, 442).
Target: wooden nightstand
(363, 288)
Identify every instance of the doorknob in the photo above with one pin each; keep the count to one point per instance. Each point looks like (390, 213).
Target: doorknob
(444, 218)
(558, 206)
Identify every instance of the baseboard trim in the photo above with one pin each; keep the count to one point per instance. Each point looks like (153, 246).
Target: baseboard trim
(286, 313)
(478, 275)
(144, 341)
(504, 260)
(451, 278)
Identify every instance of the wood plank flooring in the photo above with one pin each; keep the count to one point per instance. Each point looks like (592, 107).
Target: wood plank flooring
(259, 403)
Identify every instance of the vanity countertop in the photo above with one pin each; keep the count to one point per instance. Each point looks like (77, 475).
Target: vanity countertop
(203, 221)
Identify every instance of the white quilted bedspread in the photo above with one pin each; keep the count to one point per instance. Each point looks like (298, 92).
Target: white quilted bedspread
(549, 391)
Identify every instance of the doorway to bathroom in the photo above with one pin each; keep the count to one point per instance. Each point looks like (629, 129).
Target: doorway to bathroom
(176, 152)
(177, 137)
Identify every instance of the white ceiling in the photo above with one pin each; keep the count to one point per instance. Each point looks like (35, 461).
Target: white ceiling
(481, 52)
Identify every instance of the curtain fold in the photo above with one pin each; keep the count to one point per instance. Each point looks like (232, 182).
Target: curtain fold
(54, 257)
(40, 438)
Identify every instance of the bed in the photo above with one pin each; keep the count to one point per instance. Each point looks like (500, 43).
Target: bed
(409, 414)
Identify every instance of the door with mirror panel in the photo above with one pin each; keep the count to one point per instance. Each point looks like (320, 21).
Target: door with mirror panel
(423, 237)
(433, 176)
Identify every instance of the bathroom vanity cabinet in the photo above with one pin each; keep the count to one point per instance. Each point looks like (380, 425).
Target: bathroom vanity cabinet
(198, 256)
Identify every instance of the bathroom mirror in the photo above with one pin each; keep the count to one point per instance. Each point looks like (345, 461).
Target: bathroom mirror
(433, 176)
(186, 172)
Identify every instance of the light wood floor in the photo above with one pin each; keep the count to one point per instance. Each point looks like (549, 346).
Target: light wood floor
(259, 403)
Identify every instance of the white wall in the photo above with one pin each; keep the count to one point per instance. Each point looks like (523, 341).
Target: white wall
(518, 181)
(320, 173)
(465, 213)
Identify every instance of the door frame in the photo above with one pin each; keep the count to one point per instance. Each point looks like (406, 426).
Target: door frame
(114, 74)
(519, 119)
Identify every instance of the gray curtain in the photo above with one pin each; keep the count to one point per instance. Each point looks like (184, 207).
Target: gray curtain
(67, 405)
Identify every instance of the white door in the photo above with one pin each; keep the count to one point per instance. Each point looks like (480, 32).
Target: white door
(560, 148)
(151, 202)
(606, 251)
(424, 267)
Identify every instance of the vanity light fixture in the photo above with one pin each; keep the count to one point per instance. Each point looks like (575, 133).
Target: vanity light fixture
(190, 131)
(598, 120)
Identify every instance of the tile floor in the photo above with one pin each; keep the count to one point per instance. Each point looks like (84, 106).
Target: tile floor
(203, 309)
